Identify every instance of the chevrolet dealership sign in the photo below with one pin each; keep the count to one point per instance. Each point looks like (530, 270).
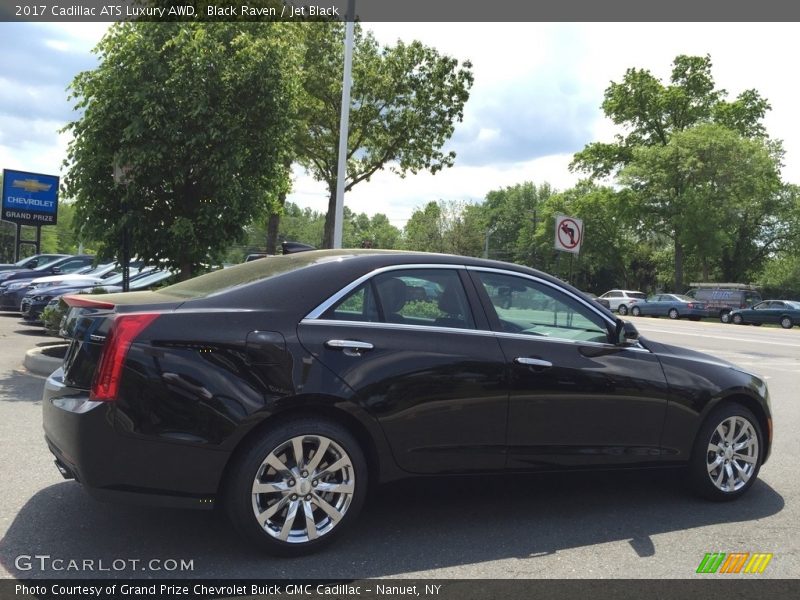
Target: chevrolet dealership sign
(30, 198)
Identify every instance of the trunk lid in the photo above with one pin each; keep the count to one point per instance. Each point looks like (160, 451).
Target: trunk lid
(87, 326)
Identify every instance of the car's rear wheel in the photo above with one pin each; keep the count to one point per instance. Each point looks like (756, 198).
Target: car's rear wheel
(786, 322)
(727, 453)
(673, 313)
(622, 309)
(298, 487)
(636, 311)
(737, 319)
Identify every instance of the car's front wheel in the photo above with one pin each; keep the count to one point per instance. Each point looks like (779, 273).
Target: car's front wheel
(636, 311)
(622, 309)
(737, 319)
(727, 453)
(298, 487)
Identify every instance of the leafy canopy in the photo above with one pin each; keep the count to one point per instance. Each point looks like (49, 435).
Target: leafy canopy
(197, 114)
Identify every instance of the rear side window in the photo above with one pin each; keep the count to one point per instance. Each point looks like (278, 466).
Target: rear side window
(638, 295)
(430, 297)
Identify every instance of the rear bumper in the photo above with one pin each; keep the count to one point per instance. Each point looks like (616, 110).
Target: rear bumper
(114, 466)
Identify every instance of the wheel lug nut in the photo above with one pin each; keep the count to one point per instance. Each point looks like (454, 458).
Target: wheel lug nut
(294, 496)
(308, 497)
(315, 483)
(291, 482)
(305, 473)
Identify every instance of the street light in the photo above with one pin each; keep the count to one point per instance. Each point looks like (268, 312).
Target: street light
(341, 168)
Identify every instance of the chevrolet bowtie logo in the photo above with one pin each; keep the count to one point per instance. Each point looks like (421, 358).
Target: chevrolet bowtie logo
(31, 185)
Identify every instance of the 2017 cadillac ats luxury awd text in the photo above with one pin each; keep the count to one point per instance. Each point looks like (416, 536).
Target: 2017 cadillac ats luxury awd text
(281, 387)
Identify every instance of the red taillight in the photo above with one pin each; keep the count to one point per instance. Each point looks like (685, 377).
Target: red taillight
(123, 331)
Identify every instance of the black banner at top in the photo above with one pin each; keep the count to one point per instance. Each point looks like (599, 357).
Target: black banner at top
(402, 10)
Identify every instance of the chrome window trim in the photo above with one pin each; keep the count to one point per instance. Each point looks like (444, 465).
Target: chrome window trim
(406, 326)
(458, 330)
(320, 310)
(314, 317)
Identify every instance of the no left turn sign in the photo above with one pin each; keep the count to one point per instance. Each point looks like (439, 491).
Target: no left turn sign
(569, 234)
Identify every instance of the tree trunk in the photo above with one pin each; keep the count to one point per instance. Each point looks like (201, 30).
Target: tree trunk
(678, 266)
(272, 229)
(327, 240)
(186, 270)
(275, 219)
(705, 269)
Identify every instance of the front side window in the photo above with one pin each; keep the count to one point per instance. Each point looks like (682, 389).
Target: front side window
(430, 297)
(528, 307)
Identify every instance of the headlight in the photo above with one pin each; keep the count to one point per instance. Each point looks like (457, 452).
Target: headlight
(18, 285)
(41, 298)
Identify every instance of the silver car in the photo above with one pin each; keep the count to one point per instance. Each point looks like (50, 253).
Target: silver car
(620, 300)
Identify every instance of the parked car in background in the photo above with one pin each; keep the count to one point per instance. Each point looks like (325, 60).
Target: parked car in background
(720, 299)
(14, 287)
(281, 388)
(37, 260)
(674, 306)
(255, 256)
(785, 313)
(619, 300)
(601, 301)
(36, 299)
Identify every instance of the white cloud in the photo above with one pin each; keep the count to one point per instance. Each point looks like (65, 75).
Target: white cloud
(536, 99)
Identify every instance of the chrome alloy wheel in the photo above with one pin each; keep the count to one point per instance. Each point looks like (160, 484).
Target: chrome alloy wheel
(303, 488)
(732, 455)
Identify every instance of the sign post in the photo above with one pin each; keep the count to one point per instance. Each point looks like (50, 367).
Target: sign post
(29, 199)
(569, 236)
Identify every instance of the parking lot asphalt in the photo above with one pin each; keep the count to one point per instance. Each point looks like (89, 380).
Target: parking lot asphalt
(599, 525)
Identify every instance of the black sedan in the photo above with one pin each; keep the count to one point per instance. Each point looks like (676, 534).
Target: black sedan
(785, 313)
(281, 388)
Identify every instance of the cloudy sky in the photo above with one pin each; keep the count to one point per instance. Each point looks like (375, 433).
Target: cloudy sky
(535, 101)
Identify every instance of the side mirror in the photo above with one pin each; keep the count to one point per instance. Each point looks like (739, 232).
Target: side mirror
(56, 270)
(625, 333)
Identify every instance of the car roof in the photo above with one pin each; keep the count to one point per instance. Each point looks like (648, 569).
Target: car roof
(314, 276)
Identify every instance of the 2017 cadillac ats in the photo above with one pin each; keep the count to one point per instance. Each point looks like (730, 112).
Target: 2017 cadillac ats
(282, 387)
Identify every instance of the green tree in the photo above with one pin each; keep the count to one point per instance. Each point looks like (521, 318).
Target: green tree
(405, 101)
(716, 195)
(652, 112)
(197, 113)
(423, 231)
(512, 216)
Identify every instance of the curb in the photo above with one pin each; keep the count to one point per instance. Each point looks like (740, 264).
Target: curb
(40, 364)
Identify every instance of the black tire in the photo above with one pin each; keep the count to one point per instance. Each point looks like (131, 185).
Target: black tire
(673, 314)
(786, 322)
(701, 477)
(636, 311)
(622, 309)
(737, 319)
(725, 316)
(242, 503)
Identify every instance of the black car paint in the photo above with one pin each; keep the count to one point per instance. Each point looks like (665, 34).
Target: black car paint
(211, 371)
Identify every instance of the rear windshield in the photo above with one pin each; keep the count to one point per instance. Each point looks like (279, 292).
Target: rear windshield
(271, 266)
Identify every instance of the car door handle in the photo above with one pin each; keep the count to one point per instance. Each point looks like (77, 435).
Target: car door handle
(533, 362)
(349, 347)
